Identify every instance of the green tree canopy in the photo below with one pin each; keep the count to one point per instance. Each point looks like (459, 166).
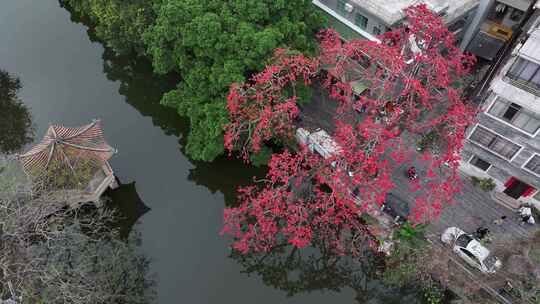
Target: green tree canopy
(209, 43)
(213, 43)
(117, 23)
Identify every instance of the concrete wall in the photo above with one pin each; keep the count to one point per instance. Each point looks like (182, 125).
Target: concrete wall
(502, 169)
(479, 17)
(373, 21)
(503, 87)
(530, 145)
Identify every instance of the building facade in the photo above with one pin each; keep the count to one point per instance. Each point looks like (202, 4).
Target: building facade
(368, 18)
(504, 144)
(494, 25)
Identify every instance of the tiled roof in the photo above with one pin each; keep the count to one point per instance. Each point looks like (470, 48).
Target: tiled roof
(66, 146)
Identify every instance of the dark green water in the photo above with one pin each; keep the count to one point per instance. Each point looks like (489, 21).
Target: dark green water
(69, 79)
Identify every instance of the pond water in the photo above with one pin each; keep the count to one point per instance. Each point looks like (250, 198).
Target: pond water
(70, 79)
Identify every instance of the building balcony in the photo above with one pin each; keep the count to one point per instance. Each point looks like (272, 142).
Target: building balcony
(524, 85)
(504, 87)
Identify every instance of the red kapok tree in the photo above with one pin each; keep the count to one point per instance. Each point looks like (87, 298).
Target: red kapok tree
(412, 77)
(265, 107)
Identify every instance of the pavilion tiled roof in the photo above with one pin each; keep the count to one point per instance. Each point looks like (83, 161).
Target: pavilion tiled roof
(67, 146)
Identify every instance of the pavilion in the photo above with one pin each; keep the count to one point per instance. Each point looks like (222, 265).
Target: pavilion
(71, 164)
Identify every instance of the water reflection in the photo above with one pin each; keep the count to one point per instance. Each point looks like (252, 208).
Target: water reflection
(16, 123)
(297, 271)
(238, 174)
(301, 271)
(143, 91)
(129, 205)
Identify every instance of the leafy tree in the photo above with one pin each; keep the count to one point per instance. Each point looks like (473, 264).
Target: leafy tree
(118, 23)
(210, 43)
(306, 197)
(213, 43)
(16, 123)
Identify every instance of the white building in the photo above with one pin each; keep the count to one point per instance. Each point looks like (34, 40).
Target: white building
(505, 142)
(368, 18)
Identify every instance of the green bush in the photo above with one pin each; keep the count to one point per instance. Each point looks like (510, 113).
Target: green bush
(408, 232)
(486, 184)
(433, 293)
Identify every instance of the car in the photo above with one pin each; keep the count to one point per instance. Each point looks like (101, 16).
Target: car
(396, 207)
(470, 250)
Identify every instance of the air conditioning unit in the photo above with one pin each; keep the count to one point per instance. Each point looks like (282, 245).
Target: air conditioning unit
(349, 8)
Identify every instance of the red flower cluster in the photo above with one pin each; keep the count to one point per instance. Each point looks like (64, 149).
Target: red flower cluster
(412, 77)
(259, 110)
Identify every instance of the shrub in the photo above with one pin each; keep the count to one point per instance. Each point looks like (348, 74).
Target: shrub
(433, 293)
(486, 184)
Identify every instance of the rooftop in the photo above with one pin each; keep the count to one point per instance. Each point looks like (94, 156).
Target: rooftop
(391, 11)
(66, 147)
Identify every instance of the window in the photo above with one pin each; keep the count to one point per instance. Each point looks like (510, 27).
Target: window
(480, 163)
(533, 164)
(360, 20)
(515, 115)
(341, 7)
(470, 255)
(526, 75)
(511, 111)
(376, 30)
(494, 142)
(463, 240)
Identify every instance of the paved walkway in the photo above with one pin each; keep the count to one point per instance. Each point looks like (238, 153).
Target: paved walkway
(473, 208)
